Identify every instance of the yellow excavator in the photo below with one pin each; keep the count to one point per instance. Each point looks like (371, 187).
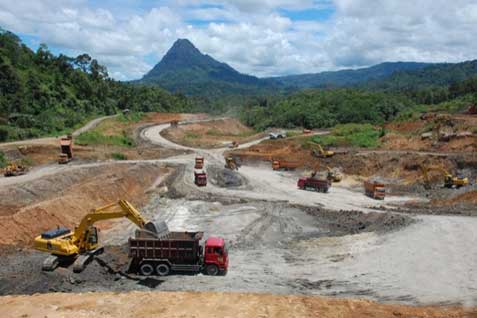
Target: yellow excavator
(81, 245)
(318, 151)
(231, 163)
(13, 170)
(450, 181)
(334, 175)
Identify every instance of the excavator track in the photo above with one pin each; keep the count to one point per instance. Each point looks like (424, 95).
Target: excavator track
(83, 260)
(50, 263)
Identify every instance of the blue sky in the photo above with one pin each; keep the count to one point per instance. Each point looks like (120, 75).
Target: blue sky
(263, 38)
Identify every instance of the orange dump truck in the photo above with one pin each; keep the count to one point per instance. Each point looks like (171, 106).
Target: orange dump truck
(199, 163)
(66, 155)
(200, 178)
(284, 165)
(374, 189)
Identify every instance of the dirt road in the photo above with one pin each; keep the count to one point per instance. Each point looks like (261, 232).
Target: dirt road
(49, 140)
(266, 184)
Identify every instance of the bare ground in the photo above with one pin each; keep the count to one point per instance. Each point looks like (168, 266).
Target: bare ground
(210, 304)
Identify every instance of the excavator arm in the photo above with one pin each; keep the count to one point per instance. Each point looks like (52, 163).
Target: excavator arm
(82, 243)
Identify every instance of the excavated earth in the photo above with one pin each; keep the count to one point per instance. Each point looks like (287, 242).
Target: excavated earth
(276, 245)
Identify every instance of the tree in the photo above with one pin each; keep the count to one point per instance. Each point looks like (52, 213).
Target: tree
(82, 61)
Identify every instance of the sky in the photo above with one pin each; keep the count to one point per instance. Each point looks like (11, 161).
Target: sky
(262, 38)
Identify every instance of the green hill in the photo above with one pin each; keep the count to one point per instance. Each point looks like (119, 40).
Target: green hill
(45, 94)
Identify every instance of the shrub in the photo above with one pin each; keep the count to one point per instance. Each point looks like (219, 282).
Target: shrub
(96, 138)
(119, 156)
(3, 160)
(357, 135)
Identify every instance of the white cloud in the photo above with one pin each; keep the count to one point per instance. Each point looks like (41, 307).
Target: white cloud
(253, 36)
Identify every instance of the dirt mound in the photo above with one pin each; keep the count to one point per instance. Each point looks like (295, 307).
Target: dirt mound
(225, 178)
(62, 199)
(186, 304)
(354, 222)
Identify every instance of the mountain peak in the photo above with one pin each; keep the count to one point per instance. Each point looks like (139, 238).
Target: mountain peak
(184, 64)
(184, 45)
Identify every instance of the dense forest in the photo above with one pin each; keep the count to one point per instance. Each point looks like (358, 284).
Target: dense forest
(41, 93)
(319, 108)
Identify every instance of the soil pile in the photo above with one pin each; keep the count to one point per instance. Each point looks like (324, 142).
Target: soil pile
(62, 199)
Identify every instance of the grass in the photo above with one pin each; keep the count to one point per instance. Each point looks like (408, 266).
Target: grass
(119, 156)
(191, 135)
(96, 138)
(355, 135)
(217, 133)
(131, 117)
(3, 160)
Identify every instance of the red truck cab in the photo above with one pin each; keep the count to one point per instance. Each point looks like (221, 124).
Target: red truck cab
(216, 258)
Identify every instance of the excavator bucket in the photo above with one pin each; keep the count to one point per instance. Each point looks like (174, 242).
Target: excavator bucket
(152, 229)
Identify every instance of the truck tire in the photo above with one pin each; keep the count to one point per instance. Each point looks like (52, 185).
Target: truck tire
(146, 269)
(163, 269)
(212, 270)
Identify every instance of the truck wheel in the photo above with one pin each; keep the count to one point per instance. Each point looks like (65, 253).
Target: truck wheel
(146, 269)
(212, 270)
(162, 270)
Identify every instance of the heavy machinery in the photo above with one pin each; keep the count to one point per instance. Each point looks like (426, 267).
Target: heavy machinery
(81, 245)
(375, 189)
(284, 165)
(174, 123)
(314, 183)
(278, 135)
(318, 151)
(334, 175)
(177, 252)
(13, 170)
(231, 163)
(200, 178)
(234, 144)
(450, 181)
(66, 144)
(199, 163)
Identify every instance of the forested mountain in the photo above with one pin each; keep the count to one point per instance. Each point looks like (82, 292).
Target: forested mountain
(346, 78)
(185, 69)
(42, 94)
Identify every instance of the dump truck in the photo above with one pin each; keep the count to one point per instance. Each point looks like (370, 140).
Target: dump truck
(374, 189)
(284, 165)
(13, 170)
(66, 155)
(200, 178)
(174, 123)
(199, 163)
(177, 252)
(314, 184)
(78, 247)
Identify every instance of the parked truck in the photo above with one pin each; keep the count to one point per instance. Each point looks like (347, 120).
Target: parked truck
(200, 178)
(177, 252)
(66, 145)
(284, 165)
(374, 189)
(314, 184)
(199, 163)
